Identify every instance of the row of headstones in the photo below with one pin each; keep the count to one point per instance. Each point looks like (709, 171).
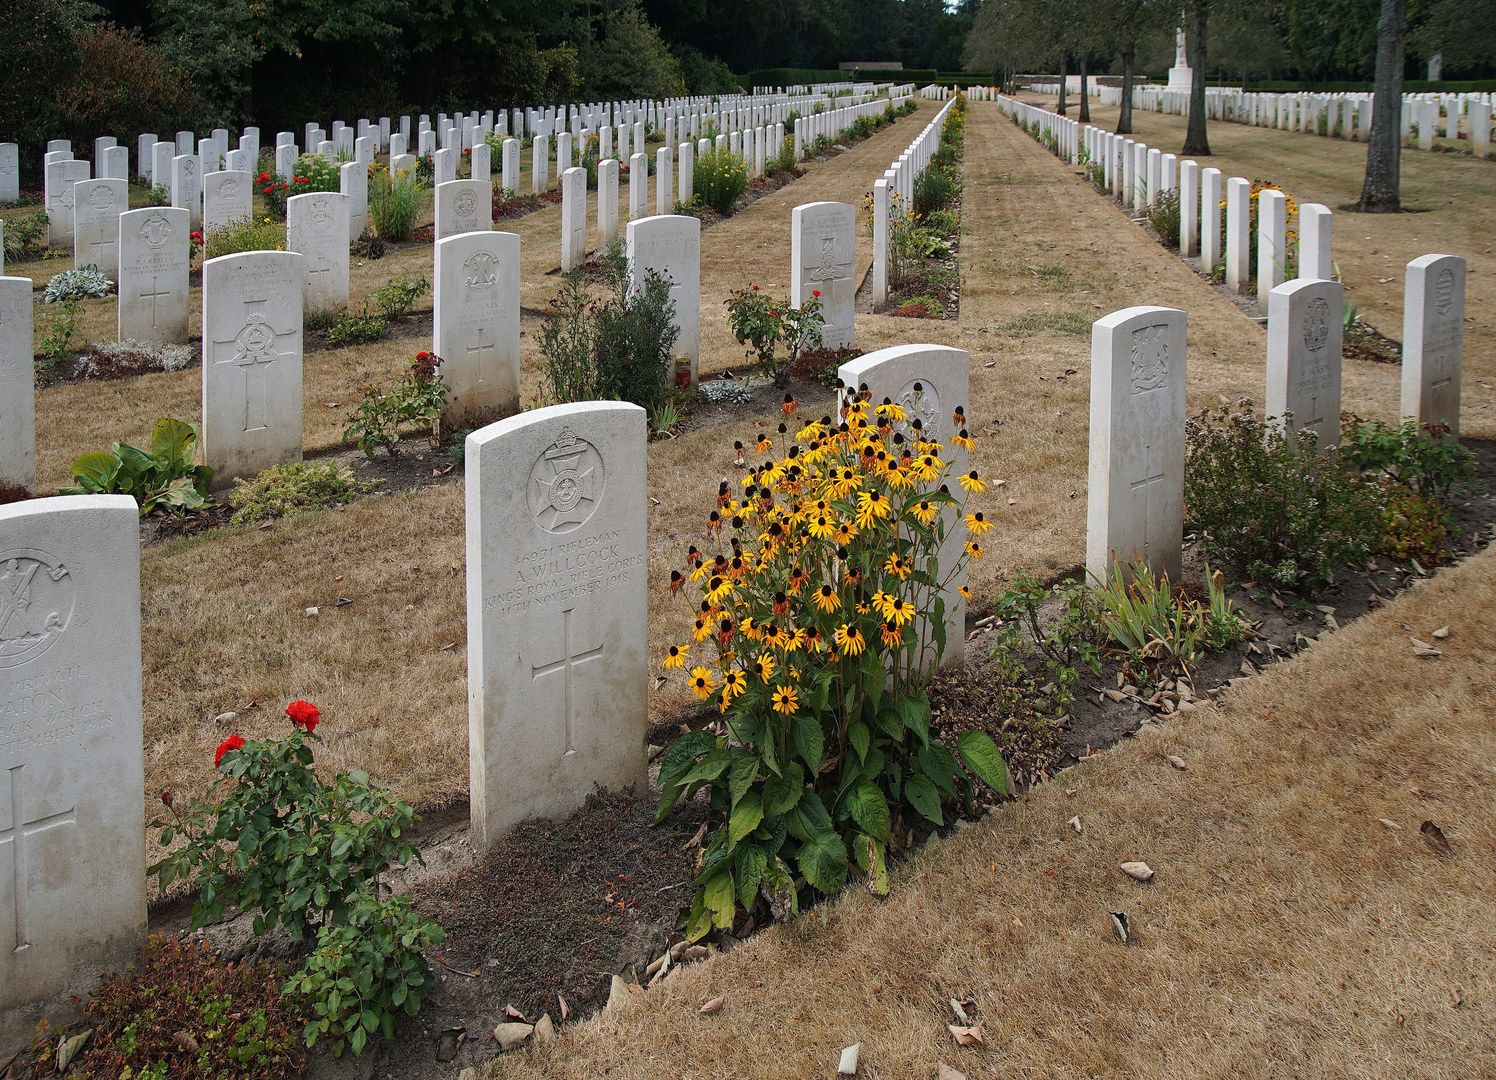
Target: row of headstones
(254, 303)
(898, 181)
(556, 540)
(1345, 115)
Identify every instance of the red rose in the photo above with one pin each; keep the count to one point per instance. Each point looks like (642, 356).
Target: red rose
(233, 742)
(755, 288)
(166, 797)
(815, 292)
(303, 714)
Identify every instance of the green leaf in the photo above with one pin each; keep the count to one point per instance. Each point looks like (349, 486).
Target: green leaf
(858, 736)
(745, 818)
(709, 767)
(980, 754)
(357, 1040)
(890, 722)
(669, 796)
(750, 860)
(939, 764)
(809, 742)
(874, 862)
(682, 754)
(916, 715)
(870, 810)
(741, 774)
(808, 817)
(823, 861)
(172, 444)
(771, 834)
(720, 899)
(923, 796)
(100, 467)
(781, 793)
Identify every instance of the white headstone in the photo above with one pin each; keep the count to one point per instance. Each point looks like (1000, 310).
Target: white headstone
(317, 227)
(481, 163)
(822, 246)
(353, 181)
(73, 898)
(97, 205)
(186, 191)
(227, 197)
(18, 376)
(10, 172)
(444, 166)
(670, 245)
(563, 152)
(664, 185)
(540, 164)
(1305, 330)
(285, 161)
(161, 158)
(638, 186)
(573, 218)
(557, 649)
(1210, 219)
(60, 178)
(154, 259)
(116, 163)
(1272, 240)
(185, 143)
(930, 382)
(1189, 208)
(145, 147)
(607, 202)
(476, 323)
(686, 183)
(1315, 258)
(54, 145)
(398, 144)
(509, 166)
(252, 361)
(1433, 340)
(239, 161)
(1238, 233)
(1135, 495)
(463, 206)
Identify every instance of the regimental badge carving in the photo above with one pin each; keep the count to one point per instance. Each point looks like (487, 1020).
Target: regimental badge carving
(920, 400)
(319, 215)
(465, 204)
(228, 188)
(189, 167)
(1444, 292)
(829, 269)
(101, 197)
(480, 272)
(566, 484)
(1150, 358)
(36, 604)
(156, 230)
(1316, 324)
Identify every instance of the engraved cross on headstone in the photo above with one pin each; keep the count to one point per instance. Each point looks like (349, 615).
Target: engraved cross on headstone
(155, 293)
(568, 661)
(17, 837)
(99, 246)
(254, 352)
(480, 347)
(1146, 486)
(323, 267)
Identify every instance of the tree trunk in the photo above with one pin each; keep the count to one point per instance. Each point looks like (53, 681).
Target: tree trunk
(1085, 89)
(1064, 71)
(1124, 114)
(1379, 194)
(1195, 142)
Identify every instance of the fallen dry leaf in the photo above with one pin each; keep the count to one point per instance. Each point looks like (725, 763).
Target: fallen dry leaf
(565, 1012)
(1435, 837)
(511, 1035)
(545, 1031)
(712, 1008)
(1138, 871)
(847, 1066)
(1423, 648)
(1177, 762)
(514, 1014)
(1074, 823)
(1120, 924)
(1455, 1000)
(948, 1073)
(966, 1036)
(1441, 633)
(1389, 823)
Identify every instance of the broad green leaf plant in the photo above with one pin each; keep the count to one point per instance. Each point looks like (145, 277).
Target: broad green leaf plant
(822, 616)
(164, 477)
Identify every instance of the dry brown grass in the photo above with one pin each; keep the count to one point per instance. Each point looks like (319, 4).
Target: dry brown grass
(1287, 932)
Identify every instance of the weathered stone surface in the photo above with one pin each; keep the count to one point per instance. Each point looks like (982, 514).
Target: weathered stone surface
(252, 347)
(317, 227)
(155, 252)
(61, 175)
(822, 243)
(186, 189)
(227, 196)
(18, 380)
(1433, 340)
(1304, 337)
(97, 205)
(1135, 494)
(573, 218)
(72, 831)
(670, 245)
(353, 181)
(930, 382)
(557, 672)
(463, 206)
(475, 305)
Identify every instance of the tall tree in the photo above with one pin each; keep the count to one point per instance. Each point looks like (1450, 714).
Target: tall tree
(1195, 141)
(1379, 194)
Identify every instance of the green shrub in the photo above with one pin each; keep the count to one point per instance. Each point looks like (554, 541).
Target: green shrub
(934, 188)
(618, 348)
(1414, 526)
(1158, 627)
(1422, 458)
(296, 852)
(394, 204)
(26, 237)
(164, 477)
(396, 295)
(1270, 505)
(244, 234)
(1058, 648)
(418, 398)
(293, 488)
(1163, 217)
(359, 328)
(238, 1024)
(942, 222)
(767, 325)
(158, 195)
(84, 283)
(825, 757)
(60, 327)
(719, 178)
(313, 172)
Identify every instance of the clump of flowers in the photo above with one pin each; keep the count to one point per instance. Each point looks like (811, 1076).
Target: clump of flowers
(821, 618)
(767, 325)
